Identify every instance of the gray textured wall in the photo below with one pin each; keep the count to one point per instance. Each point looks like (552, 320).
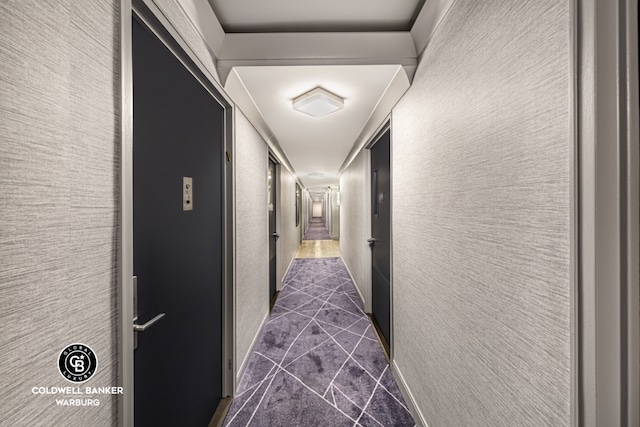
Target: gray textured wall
(59, 171)
(59, 151)
(355, 226)
(252, 229)
(481, 155)
(289, 234)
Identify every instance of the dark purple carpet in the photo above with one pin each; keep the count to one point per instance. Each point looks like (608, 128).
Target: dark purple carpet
(317, 230)
(317, 361)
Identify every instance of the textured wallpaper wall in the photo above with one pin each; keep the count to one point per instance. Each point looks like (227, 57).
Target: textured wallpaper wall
(355, 226)
(252, 228)
(59, 151)
(481, 152)
(289, 233)
(252, 240)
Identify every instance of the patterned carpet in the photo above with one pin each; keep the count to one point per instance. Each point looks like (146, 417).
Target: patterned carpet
(317, 230)
(317, 361)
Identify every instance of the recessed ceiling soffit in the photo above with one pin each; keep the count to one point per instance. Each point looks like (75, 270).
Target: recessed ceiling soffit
(283, 16)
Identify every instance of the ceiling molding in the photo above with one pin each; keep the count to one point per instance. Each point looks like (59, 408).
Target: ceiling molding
(337, 48)
(294, 49)
(230, 50)
(206, 22)
(281, 16)
(427, 22)
(225, 67)
(317, 45)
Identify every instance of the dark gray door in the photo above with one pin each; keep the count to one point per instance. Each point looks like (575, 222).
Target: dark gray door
(178, 132)
(273, 234)
(380, 241)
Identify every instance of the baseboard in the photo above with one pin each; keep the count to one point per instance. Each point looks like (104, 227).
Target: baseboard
(243, 366)
(288, 268)
(397, 374)
(221, 412)
(408, 396)
(353, 280)
(381, 339)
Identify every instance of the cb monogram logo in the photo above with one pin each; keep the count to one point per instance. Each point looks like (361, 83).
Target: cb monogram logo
(77, 363)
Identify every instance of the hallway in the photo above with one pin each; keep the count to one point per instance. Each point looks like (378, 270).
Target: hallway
(318, 249)
(317, 230)
(317, 360)
(477, 164)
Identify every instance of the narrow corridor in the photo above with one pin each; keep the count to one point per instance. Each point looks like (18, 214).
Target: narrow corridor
(318, 361)
(164, 165)
(317, 242)
(319, 249)
(317, 230)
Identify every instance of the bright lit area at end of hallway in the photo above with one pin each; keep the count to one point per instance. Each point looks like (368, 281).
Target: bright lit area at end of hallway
(319, 249)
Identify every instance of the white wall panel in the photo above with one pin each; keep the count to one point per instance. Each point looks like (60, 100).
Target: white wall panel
(252, 236)
(481, 215)
(289, 234)
(317, 209)
(355, 224)
(334, 230)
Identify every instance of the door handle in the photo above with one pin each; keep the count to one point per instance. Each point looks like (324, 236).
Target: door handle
(275, 235)
(142, 328)
(372, 241)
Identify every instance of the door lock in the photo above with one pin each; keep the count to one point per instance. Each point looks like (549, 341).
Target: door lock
(275, 235)
(372, 241)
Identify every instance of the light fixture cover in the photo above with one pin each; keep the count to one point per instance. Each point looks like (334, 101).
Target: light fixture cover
(318, 102)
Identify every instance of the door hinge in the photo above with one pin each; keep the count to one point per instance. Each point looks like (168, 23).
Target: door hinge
(229, 364)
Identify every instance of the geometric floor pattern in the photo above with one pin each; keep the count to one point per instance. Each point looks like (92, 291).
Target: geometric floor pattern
(317, 361)
(317, 230)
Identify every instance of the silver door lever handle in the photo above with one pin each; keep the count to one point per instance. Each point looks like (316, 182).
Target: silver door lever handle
(142, 328)
(372, 240)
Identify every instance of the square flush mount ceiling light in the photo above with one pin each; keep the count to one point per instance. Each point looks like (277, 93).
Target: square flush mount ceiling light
(318, 102)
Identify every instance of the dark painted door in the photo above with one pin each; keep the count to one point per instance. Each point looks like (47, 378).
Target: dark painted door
(380, 241)
(178, 132)
(273, 234)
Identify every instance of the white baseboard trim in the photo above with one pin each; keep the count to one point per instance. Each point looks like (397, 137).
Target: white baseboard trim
(284, 276)
(408, 396)
(354, 281)
(397, 374)
(243, 366)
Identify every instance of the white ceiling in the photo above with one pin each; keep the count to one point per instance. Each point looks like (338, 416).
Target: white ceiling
(313, 15)
(316, 145)
(269, 52)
